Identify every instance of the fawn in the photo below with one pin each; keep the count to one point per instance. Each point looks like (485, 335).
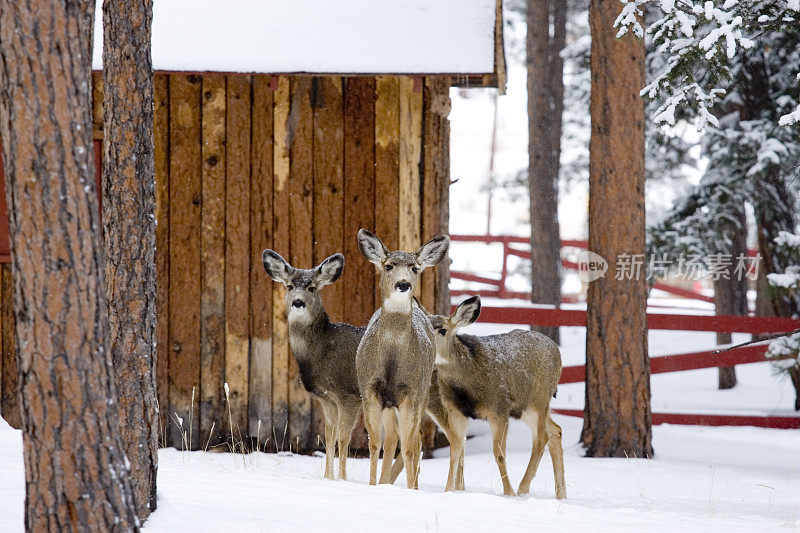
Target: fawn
(395, 358)
(495, 377)
(325, 351)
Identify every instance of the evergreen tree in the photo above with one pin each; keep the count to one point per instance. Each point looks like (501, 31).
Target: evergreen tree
(752, 158)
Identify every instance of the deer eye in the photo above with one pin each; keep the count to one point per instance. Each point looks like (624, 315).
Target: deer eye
(388, 267)
(415, 270)
(290, 287)
(442, 331)
(311, 289)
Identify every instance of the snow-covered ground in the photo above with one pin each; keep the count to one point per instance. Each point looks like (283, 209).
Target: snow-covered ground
(702, 479)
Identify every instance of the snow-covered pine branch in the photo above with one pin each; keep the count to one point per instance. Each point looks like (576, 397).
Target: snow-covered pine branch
(700, 41)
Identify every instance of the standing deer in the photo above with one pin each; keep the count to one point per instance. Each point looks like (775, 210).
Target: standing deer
(493, 378)
(437, 411)
(325, 351)
(394, 361)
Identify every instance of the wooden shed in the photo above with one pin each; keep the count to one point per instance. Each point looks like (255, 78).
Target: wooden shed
(279, 125)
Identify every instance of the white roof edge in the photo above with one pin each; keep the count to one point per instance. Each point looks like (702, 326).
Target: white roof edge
(320, 37)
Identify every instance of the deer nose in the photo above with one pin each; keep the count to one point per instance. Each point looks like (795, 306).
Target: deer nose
(403, 286)
(298, 304)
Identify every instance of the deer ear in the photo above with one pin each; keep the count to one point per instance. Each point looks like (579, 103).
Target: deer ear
(467, 312)
(276, 266)
(372, 247)
(433, 251)
(329, 270)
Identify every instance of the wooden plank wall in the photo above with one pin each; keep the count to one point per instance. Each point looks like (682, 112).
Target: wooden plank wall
(436, 184)
(301, 233)
(212, 257)
(297, 164)
(238, 256)
(261, 210)
(161, 156)
(327, 107)
(280, 243)
(9, 402)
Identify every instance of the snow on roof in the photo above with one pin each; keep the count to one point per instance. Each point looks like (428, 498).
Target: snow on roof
(320, 36)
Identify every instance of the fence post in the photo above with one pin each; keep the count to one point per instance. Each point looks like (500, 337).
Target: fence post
(502, 288)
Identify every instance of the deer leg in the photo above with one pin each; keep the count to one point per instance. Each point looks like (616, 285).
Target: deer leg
(409, 417)
(397, 469)
(458, 429)
(389, 446)
(454, 424)
(347, 415)
(372, 421)
(536, 422)
(499, 427)
(329, 412)
(556, 456)
(460, 473)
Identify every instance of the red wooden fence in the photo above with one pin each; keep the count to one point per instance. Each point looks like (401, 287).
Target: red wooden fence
(700, 419)
(550, 316)
(669, 363)
(500, 290)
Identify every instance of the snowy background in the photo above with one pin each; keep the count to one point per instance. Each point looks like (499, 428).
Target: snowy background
(701, 479)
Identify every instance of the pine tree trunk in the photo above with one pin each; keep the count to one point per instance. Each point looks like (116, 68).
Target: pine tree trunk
(775, 213)
(75, 473)
(617, 419)
(129, 232)
(545, 105)
(557, 86)
(730, 295)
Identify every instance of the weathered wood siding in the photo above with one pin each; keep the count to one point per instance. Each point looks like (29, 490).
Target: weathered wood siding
(297, 164)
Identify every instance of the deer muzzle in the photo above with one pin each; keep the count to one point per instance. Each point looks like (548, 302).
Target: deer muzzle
(403, 286)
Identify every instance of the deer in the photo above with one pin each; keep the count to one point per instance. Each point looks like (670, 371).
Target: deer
(497, 377)
(395, 358)
(437, 411)
(325, 351)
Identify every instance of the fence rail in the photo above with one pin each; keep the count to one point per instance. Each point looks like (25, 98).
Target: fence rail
(500, 289)
(685, 361)
(708, 419)
(551, 316)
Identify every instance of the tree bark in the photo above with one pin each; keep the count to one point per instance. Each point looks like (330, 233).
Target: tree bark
(545, 106)
(75, 473)
(730, 295)
(557, 81)
(617, 417)
(775, 213)
(129, 233)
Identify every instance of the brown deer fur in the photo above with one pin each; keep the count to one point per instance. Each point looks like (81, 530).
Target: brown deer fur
(497, 377)
(325, 351)
(395, 358)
